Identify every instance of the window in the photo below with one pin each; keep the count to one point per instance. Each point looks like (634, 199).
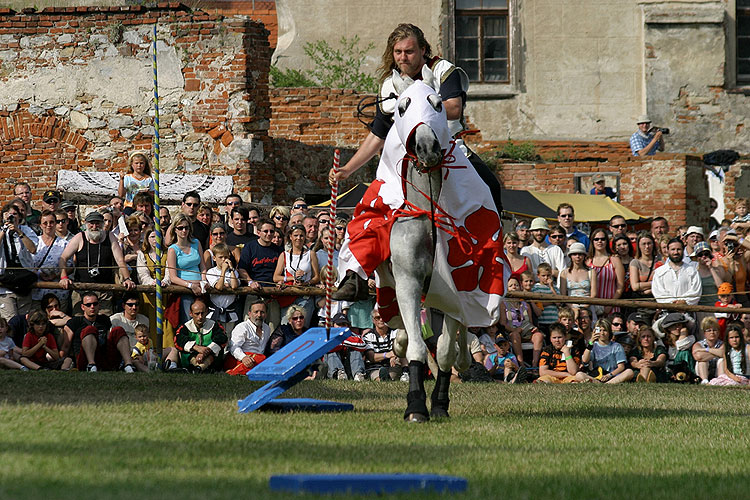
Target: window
(482, 40)
(743, 41)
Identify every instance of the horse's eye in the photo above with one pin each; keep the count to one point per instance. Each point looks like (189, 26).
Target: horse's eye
(403, 106)
(436, 102)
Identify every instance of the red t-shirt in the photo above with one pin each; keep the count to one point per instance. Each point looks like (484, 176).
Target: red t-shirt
(40, 356)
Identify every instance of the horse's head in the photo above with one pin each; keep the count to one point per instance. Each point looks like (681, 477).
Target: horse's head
(420, 120)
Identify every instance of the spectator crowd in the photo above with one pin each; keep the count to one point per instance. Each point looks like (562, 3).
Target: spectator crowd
(213, 251)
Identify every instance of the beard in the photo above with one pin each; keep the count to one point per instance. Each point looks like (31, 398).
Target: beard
(94, 235)
(677, 259)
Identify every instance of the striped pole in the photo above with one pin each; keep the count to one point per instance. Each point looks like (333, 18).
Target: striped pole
(331, 241)
(157, 216)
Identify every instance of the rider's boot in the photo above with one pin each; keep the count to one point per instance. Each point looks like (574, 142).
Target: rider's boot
(352, 288)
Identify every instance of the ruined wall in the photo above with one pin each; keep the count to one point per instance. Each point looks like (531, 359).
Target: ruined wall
(668, 185)
(78, 87)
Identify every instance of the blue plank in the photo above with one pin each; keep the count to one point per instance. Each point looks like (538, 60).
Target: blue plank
(298, 354)
(366, 483)
(264, 395)
(306, 404)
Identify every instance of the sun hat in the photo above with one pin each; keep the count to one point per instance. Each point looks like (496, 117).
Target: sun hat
(699, 248)
(577, 248)
(539, 223)
(643, 119)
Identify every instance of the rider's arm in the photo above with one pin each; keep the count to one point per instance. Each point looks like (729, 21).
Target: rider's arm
(453, 108)
(369, 148)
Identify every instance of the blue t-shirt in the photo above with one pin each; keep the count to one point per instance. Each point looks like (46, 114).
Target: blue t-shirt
(607, 356)
(497, 360)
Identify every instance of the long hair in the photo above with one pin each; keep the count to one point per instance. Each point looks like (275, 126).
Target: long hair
(146, 169)
(402, 32)
(607, 250)
(645, 235)
(736, 327)
(178, 219)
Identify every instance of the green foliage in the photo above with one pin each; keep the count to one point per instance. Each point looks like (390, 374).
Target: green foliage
(289, 78)
(338, 68)
(524, 151)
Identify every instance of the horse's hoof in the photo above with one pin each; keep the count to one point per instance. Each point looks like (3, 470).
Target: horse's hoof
(400, 343)
(439, 413)
(417, 418)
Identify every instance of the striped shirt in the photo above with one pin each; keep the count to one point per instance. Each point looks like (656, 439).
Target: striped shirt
(549, 313)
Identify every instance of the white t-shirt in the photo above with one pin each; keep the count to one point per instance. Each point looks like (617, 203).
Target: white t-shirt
(119, 319)
(552, 255)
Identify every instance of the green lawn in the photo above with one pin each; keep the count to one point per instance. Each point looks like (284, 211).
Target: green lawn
(115, 435)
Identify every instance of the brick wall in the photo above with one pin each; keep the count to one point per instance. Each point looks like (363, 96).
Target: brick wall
(262, 11)
(668, 185)
(78, 93)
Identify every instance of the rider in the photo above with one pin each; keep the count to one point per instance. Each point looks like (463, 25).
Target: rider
(407, 51)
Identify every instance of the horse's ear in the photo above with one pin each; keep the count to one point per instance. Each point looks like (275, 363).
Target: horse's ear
(429, 78)
(400, 83)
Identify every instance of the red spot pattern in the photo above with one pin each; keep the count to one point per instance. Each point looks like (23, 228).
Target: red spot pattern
(474, 245)
(387, 304)
(370, 229)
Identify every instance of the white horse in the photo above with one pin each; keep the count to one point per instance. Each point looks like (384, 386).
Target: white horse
(421, 123)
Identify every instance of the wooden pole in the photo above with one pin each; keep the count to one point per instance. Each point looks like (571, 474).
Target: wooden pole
(181, 290)
(629, 303)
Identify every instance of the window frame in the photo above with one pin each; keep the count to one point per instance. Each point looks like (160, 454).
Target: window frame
(490, 90)
(742, 80)
(481, 14)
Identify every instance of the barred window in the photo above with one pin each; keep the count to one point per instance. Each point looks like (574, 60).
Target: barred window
(482, 40)
(743, 41)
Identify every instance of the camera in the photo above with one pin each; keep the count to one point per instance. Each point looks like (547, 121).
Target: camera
(730, 245)
(664, 131)
(94, 272)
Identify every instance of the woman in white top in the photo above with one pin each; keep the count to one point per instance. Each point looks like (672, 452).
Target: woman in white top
(48, 251)
(298, 266)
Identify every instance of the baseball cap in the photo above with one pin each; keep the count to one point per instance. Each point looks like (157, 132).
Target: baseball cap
(49, 195)
(638, 318)
(340, 319)
(94, 216)
(597, 178)
(67, 204)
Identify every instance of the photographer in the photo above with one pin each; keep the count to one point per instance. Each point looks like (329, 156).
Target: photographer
(647, 140)
(18, 244)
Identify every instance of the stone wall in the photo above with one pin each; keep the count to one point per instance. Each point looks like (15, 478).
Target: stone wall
(668, 185)
(78, 89)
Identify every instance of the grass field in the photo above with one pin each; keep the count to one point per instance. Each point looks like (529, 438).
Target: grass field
(121, 436)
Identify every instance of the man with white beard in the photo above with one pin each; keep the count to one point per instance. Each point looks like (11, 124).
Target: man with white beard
(249, 339)
(97, 254)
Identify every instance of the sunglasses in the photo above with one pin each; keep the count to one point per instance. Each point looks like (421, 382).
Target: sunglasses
(616, 324)
(51, 201)
(181, 228)
(340, 228)
(222, 233)
(704, 254)
(556, 236)
(618, 225)
(281, 217)
(90, 304)
(234, 203)
(131, 304)
(599, 239)
(299, 206)
(566, 216)
(267, 231)
(191, 204)
(298, 318)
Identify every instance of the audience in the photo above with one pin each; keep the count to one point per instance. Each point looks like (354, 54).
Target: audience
(259, 252)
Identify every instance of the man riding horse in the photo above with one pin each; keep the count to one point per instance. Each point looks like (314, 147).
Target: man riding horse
(407, 52)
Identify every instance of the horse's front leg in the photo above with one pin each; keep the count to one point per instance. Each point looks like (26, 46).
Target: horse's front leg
(447, 350)
(410, 269)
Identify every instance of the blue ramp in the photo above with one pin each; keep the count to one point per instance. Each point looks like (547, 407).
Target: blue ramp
(366, 483)
(287, 367)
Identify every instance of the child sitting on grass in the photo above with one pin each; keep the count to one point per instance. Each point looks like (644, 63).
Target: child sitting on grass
(734, 369)
(557, 364)
(10, 354)
(144, 357)
(607, 357)
(39, 346)
(503, 365)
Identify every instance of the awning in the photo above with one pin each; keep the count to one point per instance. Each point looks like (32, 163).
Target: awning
(588, 208)
(348, 199)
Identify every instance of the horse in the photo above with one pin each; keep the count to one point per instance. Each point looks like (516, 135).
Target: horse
(421, 124)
